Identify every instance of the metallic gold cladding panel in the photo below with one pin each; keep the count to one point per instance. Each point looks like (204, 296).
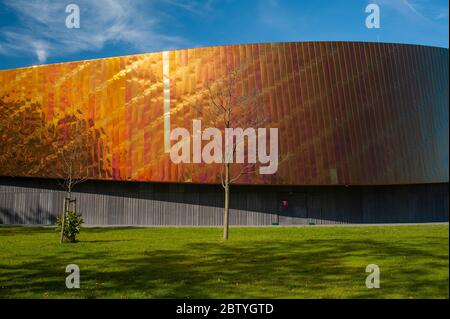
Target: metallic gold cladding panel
(347, 113)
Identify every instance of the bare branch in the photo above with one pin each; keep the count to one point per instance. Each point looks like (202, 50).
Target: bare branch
(72, 167)
(244, 171)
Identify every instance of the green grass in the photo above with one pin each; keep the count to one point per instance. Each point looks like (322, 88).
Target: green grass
(272, 262)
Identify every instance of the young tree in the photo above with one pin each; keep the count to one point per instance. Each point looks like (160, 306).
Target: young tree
(232, 103)
(73, 140)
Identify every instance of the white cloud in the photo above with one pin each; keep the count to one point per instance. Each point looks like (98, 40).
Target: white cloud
(442, 14)
(424, 11)
(42, 28)
(412, 7)
(40, 48)
(196, 7)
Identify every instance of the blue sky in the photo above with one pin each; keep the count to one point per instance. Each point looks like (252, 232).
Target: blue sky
(34, 32)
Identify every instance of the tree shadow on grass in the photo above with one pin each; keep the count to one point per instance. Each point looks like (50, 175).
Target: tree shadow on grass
(260, 269)
(87, 241)
(23, 230)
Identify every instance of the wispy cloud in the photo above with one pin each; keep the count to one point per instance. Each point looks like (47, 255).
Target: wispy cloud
(442, 14)
(42, 28)
(424, 11)
(41, 50)
(196, 7)
(413, 9)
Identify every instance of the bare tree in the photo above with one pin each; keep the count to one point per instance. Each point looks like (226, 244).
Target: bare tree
(73, 139)
(232, 103)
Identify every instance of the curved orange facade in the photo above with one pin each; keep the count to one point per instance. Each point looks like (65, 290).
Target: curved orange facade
(347, 113)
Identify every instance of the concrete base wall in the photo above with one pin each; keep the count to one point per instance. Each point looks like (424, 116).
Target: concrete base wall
(39, 201)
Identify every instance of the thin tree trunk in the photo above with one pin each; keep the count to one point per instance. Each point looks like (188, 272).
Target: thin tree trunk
(63, 221)
(65, 207)
(227, 201)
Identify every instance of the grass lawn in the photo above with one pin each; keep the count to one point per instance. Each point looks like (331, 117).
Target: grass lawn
(271, 262)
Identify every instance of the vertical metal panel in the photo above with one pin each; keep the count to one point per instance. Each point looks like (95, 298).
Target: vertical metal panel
(24, 201)
(347, 113)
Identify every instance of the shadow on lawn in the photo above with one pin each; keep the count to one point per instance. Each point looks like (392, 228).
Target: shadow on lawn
(260, 269)
(23, 230)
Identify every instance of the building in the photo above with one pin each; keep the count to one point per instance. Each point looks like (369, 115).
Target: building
(363, 135)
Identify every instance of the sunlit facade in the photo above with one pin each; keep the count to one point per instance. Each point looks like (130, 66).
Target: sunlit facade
(348, 113)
